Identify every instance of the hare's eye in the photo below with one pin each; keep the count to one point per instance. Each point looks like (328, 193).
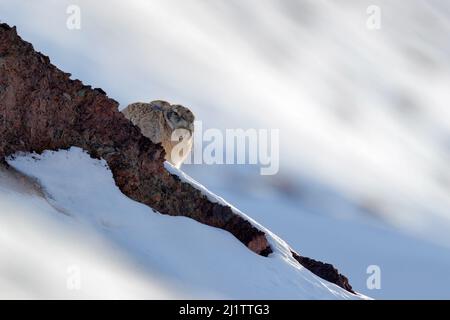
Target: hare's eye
(175, 117)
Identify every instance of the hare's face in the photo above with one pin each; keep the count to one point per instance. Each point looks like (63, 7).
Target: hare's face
(179, 117)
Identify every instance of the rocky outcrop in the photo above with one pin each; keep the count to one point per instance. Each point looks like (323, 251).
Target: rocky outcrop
(324, 270)
(41, 108)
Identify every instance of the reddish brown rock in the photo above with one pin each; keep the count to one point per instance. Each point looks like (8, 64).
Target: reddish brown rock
(41, 108)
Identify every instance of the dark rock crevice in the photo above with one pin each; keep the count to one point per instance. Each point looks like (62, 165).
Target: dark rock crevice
(41, 108)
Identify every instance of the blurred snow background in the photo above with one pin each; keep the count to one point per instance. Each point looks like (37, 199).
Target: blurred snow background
(364, 122)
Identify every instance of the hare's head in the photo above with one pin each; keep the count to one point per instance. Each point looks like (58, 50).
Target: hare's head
(179, 117)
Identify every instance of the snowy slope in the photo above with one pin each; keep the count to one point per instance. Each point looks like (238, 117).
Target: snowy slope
(411, 268)
(187, 258)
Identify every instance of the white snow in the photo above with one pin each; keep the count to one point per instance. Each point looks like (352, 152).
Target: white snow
(278, 245)
(46, 254)
(84, 220)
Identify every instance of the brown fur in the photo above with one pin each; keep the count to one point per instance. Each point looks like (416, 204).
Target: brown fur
(159, 121)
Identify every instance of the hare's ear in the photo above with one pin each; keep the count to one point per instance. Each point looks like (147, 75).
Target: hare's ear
(160, 104)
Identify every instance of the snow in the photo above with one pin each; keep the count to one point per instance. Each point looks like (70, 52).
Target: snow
(82, 203)
(43, 251)
(368, 109)
(278, 245)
